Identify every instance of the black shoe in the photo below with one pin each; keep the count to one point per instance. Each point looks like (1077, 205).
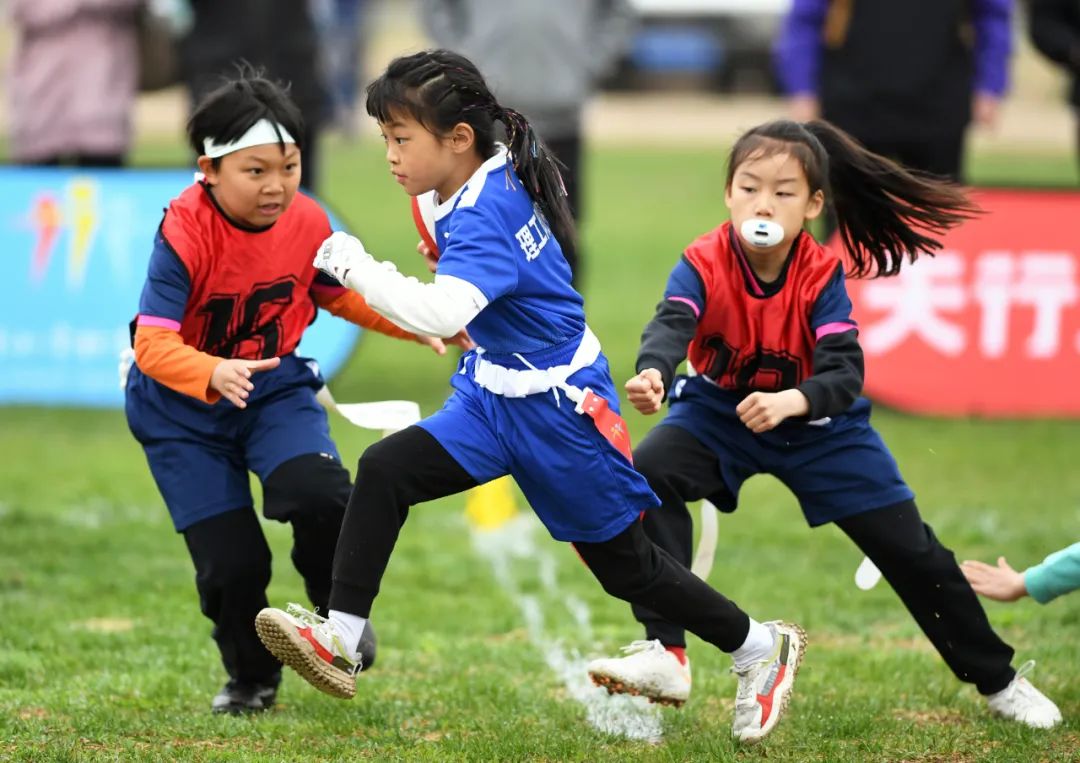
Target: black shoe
(368, 646)
(238, 698)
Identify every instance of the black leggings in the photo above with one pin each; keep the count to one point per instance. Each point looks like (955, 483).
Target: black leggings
(411, 467)
(923, 572)
(232, 559)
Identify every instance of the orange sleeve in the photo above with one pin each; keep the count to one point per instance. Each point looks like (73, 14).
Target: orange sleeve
(353, 308)
(161, 354)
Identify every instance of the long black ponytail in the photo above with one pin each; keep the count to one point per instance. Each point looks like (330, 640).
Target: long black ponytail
(439, 89)
(884, 212)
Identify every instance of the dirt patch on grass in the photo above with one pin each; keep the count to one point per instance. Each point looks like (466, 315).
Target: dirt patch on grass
(106, 625)
(874, 640)
(939, 717)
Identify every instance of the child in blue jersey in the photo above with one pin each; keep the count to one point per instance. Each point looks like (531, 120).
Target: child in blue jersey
(761, 310)
(218, 390)
(502, 274)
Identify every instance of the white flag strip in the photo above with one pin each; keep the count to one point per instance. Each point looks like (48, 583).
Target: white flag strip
(386, 415)
(706, 550)
(867, 575)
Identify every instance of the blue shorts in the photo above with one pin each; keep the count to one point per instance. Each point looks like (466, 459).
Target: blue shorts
(579, 485)
(835, 469)
(200, 454)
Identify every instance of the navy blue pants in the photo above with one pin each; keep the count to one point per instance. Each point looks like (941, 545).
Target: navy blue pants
(923, 572)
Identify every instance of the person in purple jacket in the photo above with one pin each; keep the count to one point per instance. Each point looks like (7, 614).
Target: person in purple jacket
(904, 78)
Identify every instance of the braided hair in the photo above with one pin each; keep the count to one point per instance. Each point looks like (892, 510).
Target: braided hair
(440, 89)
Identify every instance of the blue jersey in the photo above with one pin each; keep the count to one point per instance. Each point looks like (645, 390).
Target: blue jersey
(494, 236)
(506, 415)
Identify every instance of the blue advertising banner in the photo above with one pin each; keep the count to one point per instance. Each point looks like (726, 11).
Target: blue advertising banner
(74, 248)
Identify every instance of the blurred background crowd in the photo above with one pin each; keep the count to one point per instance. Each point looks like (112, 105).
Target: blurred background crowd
(84, 78)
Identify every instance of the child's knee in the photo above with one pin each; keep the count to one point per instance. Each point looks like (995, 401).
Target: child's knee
(381, 465)
(308, 488)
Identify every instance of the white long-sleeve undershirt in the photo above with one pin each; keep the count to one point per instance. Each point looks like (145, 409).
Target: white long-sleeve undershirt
(439, 309)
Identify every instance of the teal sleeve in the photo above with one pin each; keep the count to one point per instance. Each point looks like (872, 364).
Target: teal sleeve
(1059, 573)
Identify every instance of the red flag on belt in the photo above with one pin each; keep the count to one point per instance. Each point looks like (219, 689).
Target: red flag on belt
(609, 423)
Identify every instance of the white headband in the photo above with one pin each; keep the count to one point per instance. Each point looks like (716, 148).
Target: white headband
(261, 133)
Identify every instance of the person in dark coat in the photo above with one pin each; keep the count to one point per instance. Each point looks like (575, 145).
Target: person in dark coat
(276, 36)
(903, 78)
(1055, 31)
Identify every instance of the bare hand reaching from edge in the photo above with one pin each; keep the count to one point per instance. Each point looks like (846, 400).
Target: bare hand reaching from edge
(1002, 582)
(232, 378)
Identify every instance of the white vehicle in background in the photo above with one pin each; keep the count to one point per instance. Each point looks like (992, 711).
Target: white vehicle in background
(716, 44)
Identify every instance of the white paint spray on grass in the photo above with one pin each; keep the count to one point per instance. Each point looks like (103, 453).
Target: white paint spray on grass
(506, 548)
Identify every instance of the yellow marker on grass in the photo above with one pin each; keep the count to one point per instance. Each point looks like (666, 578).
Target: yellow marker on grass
(491, 505)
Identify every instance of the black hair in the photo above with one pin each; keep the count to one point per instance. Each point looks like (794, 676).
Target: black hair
(884, 212)
(440, 89)
(228, 112)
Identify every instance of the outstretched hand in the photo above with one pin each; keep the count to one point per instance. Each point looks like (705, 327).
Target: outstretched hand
(646, 391)
(1002, 583)
(232, 378)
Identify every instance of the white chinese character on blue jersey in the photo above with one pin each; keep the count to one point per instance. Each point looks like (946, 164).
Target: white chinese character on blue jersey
(533, 236)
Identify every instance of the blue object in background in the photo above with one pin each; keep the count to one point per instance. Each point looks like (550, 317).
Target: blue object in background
(677, 49)
(74, 247)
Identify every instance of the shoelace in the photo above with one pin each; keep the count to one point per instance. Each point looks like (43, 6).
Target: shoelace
(746, 689)
(304, 615)
(1016, 684)
(311, 618)
(636, 647)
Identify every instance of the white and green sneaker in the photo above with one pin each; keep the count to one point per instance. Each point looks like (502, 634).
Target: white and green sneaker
(310, 645)
(765, 687)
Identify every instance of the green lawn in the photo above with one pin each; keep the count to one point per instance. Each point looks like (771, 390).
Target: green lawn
(104, 655)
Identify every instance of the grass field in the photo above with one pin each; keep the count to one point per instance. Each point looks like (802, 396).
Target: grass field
(104, 655)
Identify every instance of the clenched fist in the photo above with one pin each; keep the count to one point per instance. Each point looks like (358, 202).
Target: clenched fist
(646, 391)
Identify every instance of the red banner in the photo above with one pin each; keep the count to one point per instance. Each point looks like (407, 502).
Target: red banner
(991, 325)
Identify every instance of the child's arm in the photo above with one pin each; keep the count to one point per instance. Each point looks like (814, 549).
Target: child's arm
(1059, 573)
(837, 378)
(438, 309)
(339, 301)
(161, 354)
(665, 339)
(838, 374)
(353, 308)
